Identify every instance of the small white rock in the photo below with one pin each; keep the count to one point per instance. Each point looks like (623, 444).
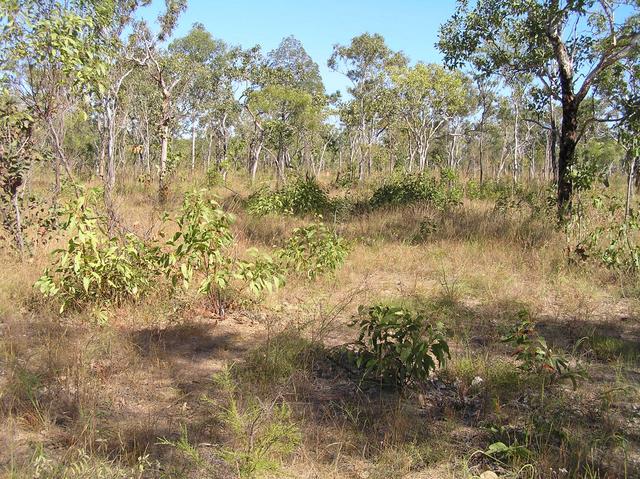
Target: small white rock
(489, 475)
(477, 381)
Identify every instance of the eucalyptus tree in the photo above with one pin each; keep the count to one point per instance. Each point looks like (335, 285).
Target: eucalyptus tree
(168, 74)
(207, 59)
(621, 102)
(118, 67)
(54, 58)
(367, 62)
(486, 89)
(17, 153)
(286, 102)
(567, 44)
(428, 96)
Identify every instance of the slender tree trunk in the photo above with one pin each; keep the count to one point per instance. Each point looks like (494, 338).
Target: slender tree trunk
(18, 221)
(209, 146)
(481, 153)
(193, 147)
(164, 149)
(630, 180)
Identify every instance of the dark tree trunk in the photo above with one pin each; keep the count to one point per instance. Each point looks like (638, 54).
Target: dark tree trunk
(568, 141)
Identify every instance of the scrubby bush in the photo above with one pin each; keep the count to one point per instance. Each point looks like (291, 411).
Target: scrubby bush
(95, 268)
(489, 189)
(261, 434)
(408, 188)
(313, 250)
(301, 197)
(536, 201)
(200, 248)
(397, 346)
(601, 233)
(99, 269)
(536, 356)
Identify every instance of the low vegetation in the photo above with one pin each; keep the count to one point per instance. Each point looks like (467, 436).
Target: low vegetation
(215, 268)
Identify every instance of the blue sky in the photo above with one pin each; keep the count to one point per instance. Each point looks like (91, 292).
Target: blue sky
(407, 25)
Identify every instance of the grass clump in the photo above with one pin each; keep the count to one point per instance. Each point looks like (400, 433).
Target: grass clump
(261, 433)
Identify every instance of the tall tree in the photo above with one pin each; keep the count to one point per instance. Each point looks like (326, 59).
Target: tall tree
(566, 44)
(367, 62)
(168, 74)
(428, 97)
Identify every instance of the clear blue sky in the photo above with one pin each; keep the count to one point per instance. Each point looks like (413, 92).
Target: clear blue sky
(407, 25)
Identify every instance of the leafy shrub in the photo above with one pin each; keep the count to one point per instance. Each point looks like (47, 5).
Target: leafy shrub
(408, 188)
(204, 232)
(201, 246)
(426, 228)
(262, 433)
(302, 196)
(98, 269)
(489, 189)
(398, 346)
(606, 236)
(95, 268)
(538, 202)
(314, 250)
(214, 176)
(535, 356)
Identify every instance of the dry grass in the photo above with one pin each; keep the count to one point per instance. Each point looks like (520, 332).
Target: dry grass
(76, 396)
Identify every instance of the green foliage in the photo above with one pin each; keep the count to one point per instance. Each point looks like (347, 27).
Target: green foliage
(98, 269)
(536, 356)
(17, 154)
(313, 250)
(95, 268)
(407, 188)
(488, 190)
(199, 244)
(592, 164)
(261, 433)
(261, 274)
(397, 345)
(603, 234)
(538, 202)
(200, 248)
(215, 175)
(301, 197)
(503, 452)
(183, 445)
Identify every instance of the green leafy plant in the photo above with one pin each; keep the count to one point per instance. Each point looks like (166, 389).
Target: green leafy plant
(17, 155)
(98, 269)
(501, 451)
(200, 251)
(216, 174)
(536, 356)
(409, 188)
(313, 250)
(301, 197)
(397, 346)
(94, 267)
(261, 433)
(606, 235)
(183, 445)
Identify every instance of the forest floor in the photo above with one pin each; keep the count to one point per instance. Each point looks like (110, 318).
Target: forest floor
(145, 394)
